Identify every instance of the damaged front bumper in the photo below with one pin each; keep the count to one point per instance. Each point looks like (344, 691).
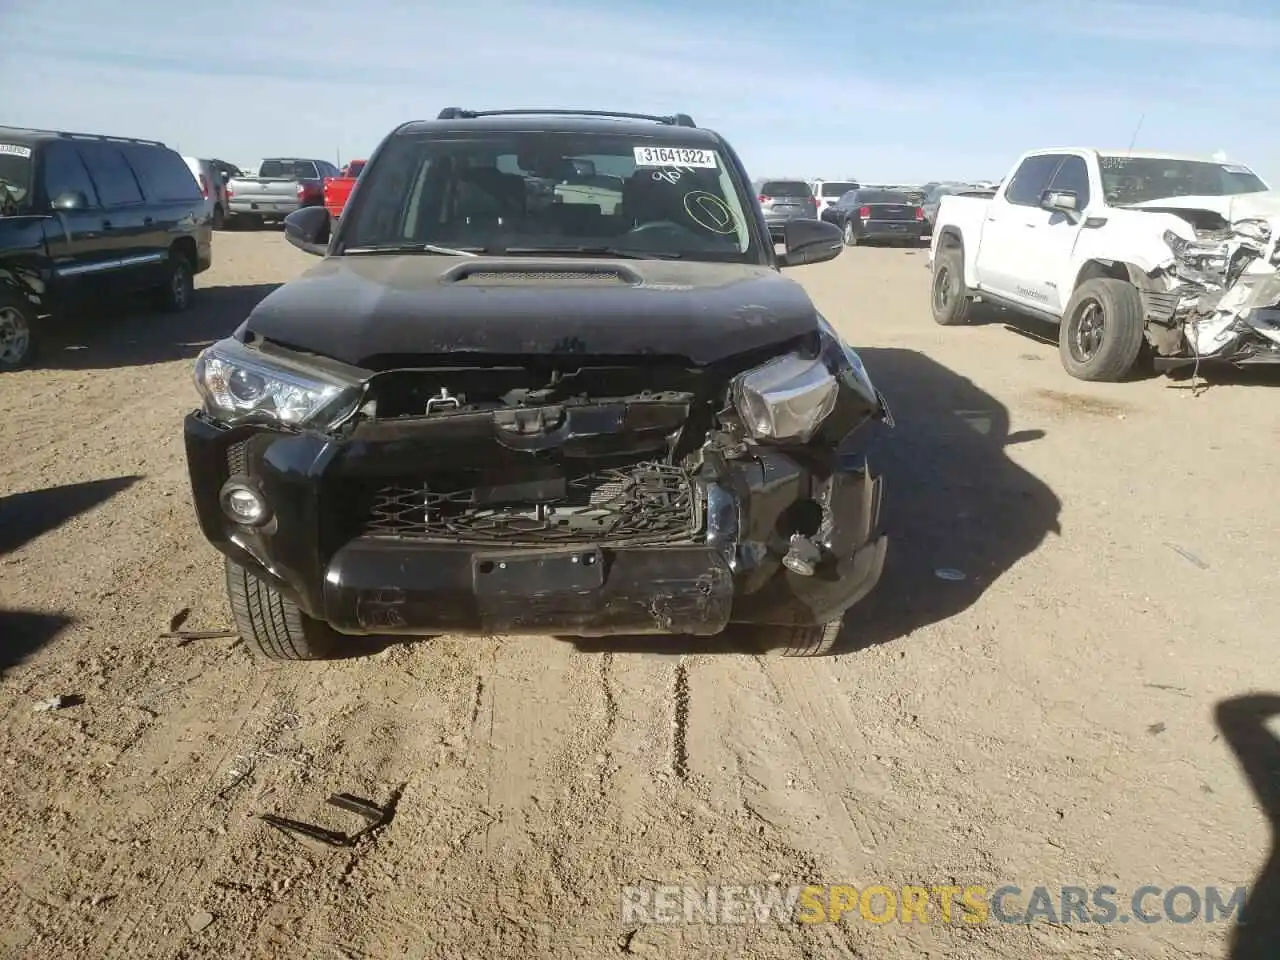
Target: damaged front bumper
(358, 539)
(1222, 298)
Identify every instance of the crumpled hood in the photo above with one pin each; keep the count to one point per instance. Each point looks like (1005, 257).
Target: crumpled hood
(357, 309)
(1240, 206)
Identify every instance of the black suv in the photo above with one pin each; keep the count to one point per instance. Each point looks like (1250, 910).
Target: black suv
(547, 379)
(83, 217)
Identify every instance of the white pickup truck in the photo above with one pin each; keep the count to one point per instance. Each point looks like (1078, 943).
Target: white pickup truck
(1118, 247)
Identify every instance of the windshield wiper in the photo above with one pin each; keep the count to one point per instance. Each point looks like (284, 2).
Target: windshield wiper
(602, 251)
(417, 248)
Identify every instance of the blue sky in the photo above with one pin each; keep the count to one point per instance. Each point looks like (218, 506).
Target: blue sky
(929, 89)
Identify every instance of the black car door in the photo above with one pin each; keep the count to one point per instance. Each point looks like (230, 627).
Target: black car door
(84, 258)
(124, 216)
(174, 203)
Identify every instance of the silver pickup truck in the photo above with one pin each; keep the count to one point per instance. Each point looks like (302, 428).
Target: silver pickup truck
(282, 186)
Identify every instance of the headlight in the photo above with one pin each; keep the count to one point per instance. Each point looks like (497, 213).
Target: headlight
(237, 383)
(785, 399)
(852, 370)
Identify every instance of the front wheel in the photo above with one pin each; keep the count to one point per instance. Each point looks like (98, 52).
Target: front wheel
(811, 641)
(179, 287)
(272, 625)
(948, 299)
(1102, 330)
(17, 332)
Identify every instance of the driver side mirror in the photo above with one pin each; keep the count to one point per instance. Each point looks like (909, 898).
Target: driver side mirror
(1064, 201)
(70, 200)
(308, 230)
(810, 241)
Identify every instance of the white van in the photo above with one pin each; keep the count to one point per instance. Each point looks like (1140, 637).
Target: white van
(212, 186)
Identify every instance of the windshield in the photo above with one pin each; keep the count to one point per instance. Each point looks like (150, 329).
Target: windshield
(15, 178)
(785, 188)
(525, 192)
(882, 196)
(1138, 179)
(837, 188)
(289, 169)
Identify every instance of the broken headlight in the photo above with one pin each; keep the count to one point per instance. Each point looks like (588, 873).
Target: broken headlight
(785, 399)
(239, 383)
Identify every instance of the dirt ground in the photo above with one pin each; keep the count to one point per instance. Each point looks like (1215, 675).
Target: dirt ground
(1060, 716)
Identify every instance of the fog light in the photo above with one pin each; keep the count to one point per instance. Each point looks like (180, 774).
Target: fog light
(803, 556)
(243, 504)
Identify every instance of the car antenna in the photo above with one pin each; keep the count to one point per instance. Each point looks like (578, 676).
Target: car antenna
(1134, 138)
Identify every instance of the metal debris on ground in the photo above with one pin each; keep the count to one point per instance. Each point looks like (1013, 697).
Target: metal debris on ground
(1187, 555)
(377, 817)
(60, 702)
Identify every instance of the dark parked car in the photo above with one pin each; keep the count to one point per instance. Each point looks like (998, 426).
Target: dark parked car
(785, 200)
(604, 415)
(86, 217)
(880, 216)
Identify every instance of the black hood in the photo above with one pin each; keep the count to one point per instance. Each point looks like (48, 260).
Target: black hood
(358, 309)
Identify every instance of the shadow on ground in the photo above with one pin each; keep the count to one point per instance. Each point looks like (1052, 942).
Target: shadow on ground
(953, 500)
(1242, 721)
(25, 516)
(129, 333)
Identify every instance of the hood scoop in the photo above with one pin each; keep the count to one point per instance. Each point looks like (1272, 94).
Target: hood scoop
(496, 272)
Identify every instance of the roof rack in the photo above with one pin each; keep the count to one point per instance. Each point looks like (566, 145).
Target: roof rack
(675, 120)
(67, 135)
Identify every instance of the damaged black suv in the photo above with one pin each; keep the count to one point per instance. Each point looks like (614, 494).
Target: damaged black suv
(546, 379)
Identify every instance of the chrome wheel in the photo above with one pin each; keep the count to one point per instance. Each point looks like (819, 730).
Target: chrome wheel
(1088, 328)
(180, 285)
(849, 238)
(942, 294)
(15, 336)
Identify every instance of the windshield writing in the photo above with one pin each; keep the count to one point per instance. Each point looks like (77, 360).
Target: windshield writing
(530, 192)
(1139, 179)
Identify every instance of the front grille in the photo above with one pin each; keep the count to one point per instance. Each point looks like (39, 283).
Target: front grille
(643, 503)
(237, 458)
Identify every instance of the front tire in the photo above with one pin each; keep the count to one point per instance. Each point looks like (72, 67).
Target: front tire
(948, 297)
(811, 641)
(272, 625)
(1102, 329)
(17, 332)
(179, 287)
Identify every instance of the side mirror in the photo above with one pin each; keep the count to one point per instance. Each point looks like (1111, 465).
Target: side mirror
(308, 230)
(71, 200)
(1064, 200)
(810, 241)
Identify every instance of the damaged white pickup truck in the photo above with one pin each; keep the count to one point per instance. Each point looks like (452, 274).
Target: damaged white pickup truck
(1118, 247)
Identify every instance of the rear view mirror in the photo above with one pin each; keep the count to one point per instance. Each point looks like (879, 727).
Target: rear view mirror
(810, 241)
(308, 230)
(70, 200)
(1064, 200)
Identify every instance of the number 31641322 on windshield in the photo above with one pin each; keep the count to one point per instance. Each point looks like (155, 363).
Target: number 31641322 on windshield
(675, 157)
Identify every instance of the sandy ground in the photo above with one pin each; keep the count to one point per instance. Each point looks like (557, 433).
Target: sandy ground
(1054, 718)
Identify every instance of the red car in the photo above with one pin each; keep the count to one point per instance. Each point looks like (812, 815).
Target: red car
(337, 189)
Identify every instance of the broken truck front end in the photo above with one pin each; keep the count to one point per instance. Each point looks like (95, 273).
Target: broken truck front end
(540, 495)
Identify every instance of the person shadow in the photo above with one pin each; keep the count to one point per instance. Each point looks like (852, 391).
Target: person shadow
(1242, 721)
